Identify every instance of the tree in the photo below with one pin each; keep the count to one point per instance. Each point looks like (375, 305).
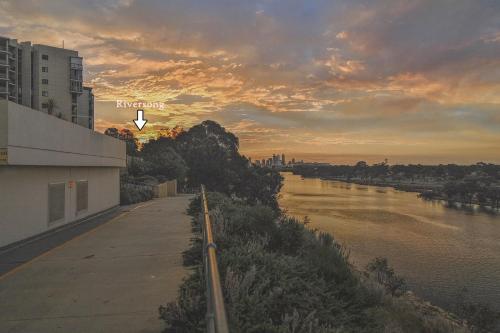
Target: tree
(112, 131)
(162, 161)
(385, 275)
(170, 132)
(51, 106)
(130, 141)
(493, 193)
(212, 156)
(132, 144)
(360, 169)
(213, 159)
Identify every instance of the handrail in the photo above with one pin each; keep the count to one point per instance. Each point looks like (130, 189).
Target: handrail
(216, 312)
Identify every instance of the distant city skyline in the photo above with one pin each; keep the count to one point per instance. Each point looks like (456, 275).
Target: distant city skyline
(414, 82)
(351, 159)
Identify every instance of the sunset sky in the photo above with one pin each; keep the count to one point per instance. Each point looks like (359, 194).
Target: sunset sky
(333, 80)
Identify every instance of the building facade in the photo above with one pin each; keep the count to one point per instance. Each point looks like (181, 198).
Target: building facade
(52, 172)
(47, 79)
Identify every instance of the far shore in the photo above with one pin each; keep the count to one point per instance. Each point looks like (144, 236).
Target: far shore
(413, 187)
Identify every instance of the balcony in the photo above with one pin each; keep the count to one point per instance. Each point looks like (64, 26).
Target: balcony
(76, 63)
(76, 87)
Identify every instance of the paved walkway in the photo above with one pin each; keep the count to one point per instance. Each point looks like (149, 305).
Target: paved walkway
(110, 279)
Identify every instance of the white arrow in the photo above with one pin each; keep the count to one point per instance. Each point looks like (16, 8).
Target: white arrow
(140, 121)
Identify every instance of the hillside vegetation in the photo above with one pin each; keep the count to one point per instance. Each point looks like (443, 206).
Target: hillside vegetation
(279, 276)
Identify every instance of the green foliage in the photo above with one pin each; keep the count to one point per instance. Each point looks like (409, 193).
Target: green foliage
(278, 276)
(187, 315)
(164, 162)
(131, 193)
(213, 159)
(205, 154)
(385, 275)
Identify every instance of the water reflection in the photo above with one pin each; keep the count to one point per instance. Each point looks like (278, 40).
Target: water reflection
(439, 248)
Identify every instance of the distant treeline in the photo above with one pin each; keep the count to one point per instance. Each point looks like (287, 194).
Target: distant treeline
(478, 183)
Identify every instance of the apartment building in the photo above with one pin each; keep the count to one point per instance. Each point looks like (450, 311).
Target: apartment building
(47, 79)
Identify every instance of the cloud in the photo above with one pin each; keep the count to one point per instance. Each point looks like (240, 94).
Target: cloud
(336, 76)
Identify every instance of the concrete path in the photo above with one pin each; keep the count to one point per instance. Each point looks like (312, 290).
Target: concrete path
(110, 279)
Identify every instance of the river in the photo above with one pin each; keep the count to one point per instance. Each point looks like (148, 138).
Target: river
(437, 249)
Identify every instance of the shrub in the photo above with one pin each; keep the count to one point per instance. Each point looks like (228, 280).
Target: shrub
(394, 284)
(279, 277)
(130, 194)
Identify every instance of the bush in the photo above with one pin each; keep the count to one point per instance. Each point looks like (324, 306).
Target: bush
(384, 274)
(130, 193)
(279, 277)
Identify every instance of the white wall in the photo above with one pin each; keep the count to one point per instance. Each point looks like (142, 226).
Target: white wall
(36, 138)
(42, 149)
(24, 197)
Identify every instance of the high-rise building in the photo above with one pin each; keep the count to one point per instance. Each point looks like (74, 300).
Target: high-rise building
(47, 79)
(283, 162)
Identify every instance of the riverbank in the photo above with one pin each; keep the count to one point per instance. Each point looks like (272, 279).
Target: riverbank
(440, 251)
(477, 184)
(398, 185)
(280, 276)
(425, 190)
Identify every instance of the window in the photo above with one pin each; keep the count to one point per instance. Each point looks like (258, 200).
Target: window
(45, 57)
(45, 69)
(82, 195)
(45, 81)
(45, 93)
(45, 105)
(56, 201)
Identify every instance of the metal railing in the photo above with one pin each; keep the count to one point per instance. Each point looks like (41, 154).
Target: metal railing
(216, 312)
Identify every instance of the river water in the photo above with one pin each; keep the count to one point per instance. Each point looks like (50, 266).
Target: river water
(438, 250)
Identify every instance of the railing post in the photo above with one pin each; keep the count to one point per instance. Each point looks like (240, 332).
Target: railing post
(216, 313)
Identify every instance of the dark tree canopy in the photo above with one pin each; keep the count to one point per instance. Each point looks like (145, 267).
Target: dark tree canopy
(126, 135)
(206, 154)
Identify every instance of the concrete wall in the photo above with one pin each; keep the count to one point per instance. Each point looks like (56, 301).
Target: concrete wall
(24, 197)
(36, 138)
(37, 149)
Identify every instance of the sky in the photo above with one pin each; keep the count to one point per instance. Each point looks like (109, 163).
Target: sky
(327, 80)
